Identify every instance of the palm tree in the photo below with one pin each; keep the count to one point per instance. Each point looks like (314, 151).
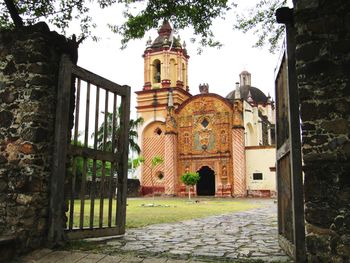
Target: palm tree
(133, 135)
(106, 129)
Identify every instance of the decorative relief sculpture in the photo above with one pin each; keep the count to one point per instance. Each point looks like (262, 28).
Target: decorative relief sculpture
(238, 113)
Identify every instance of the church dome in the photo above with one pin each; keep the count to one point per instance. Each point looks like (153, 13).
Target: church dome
(257, 95)
(246, 90)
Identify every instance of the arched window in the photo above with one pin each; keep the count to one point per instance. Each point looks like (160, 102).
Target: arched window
(156, 71)
(173, 72)
(251, 139)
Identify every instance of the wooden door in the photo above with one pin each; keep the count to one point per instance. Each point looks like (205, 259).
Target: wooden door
(291, 228)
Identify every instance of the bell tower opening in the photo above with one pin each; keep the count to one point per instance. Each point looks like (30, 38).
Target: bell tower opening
(156, 71)
(206, 183)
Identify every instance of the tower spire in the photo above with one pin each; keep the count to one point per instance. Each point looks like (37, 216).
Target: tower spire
(165, 30)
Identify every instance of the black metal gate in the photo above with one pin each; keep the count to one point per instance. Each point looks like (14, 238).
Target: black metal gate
(88, 187)
(289, 167)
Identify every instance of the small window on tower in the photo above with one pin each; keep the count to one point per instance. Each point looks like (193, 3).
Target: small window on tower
(157, 71)
(158, 131)
(257, 176)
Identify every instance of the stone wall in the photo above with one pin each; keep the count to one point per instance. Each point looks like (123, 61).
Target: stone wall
(323, 72)
(29, 62)
(134, 188)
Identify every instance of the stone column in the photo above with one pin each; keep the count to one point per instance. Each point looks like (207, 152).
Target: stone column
(170, 163)
(323, 74)
(238, 150)
(238, 159)
(29, 63)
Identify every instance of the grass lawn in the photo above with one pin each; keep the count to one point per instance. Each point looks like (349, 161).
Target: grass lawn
(179, 209)
(166, 210)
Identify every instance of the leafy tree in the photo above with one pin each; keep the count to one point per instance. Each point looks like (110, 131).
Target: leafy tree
(190, 179)
(196, 14)
(261, 20)
(156, 160)
(79, 164)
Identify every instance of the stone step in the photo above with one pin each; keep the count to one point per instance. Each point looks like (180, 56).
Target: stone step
(7, 248)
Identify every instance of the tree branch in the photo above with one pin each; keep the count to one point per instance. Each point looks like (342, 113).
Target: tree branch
(17, 20)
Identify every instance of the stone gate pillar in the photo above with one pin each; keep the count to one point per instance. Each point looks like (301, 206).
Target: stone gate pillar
(323, 74)
(29, 65)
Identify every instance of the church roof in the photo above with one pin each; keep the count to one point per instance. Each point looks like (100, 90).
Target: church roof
(257, 95)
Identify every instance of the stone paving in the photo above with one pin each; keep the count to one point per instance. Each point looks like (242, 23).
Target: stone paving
(239, 237)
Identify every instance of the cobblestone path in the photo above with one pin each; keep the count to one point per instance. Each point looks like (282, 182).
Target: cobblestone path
(238, 237)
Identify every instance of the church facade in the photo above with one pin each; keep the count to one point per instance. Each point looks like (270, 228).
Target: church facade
(228, 140)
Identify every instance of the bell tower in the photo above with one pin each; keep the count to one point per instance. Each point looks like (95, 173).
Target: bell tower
(165, 89)
(165, 61)
(165, 71)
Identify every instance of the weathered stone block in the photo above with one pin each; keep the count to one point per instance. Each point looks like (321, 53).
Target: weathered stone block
(39, 80)
(307, 4)
(313, 68)
(27, 148)
(3, 185)
(308, 51)
(6, 118)
(24, 199)
(320, 214)
(10, 68)
(318, 243)
(34, 134)
(8, 96)
(3, 159)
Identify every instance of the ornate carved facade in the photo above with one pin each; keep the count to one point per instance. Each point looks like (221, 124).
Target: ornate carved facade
(205, 133)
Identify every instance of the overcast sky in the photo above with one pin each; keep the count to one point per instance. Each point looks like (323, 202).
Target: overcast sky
(217, 67)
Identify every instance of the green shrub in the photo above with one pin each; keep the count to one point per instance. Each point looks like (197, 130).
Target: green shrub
(190, 179)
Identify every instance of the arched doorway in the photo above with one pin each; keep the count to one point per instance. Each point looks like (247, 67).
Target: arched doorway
(206, 183)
